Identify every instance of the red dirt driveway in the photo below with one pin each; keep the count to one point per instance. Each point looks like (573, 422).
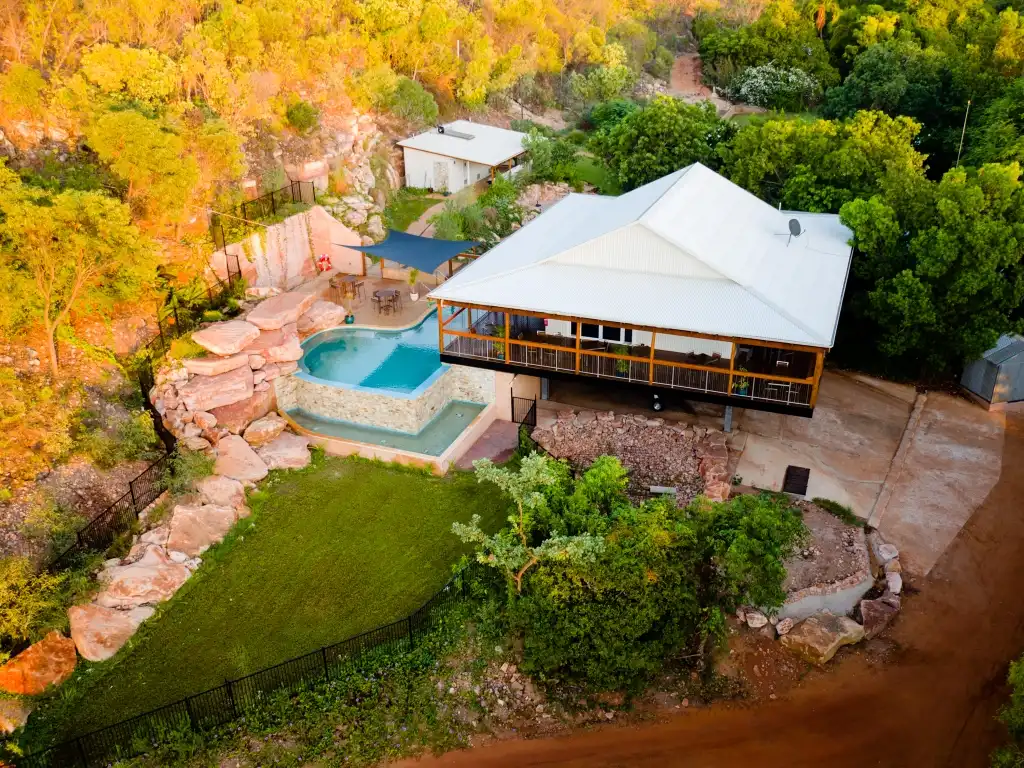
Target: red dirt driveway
(928, 700)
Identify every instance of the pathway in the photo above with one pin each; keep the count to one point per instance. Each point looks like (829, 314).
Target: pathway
(924, 694)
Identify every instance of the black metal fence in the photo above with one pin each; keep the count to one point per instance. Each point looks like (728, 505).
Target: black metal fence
(524, 411)
(101, 531)
(225, 703)
(263, 207)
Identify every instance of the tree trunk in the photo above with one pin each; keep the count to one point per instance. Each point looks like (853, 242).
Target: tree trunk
(52, 349)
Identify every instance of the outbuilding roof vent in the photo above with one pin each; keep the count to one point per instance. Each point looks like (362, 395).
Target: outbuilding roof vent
(454, 134)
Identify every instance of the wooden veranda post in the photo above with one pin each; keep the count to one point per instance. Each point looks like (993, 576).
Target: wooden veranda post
(650, 365)
(507, 355)
(732, 365)
(579, 327)
(819, 364)
(440, 327)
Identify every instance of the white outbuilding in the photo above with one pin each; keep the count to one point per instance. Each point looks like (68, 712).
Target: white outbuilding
(459, 154)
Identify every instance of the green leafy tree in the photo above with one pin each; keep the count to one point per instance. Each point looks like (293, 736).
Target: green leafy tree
(28, 602)
(602, 591)
(552, 159)
(938, 274)
(68, 251)
(22, 92)
(134, 74)
(666, 136)
(411, 101)
(818, 166)
(998, 137)
(151, 160)
(302, 116)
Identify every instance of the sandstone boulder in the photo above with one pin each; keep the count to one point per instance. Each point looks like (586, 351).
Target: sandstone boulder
(221, 491)
(876, 614)
(320, 316)
(100, 632)
(204, 420)
(226, 338)
(237, 416)
(237, 460)
(278, 311)
(196, 444)
(286, 451)
(818, 637)
(276, 370)
(756, 619)
(264, 430)
(257, 361)
(784, 626)
(156, 536)
(278, 346)
(194, 529)
(212, 366)
(48, 662)
(204, 393)
(153, 579)
(13, 714)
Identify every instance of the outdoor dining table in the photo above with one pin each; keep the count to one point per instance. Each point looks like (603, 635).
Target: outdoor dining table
(349, 285)
(386, 299)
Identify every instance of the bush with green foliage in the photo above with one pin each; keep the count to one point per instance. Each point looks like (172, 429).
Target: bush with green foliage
(608, 114)
(666, 136)
(552, 159)
(775, 87)
(185, 469)
(602, 591)
(302, 116)
(22, 91)
(1012, 716)
(134, 438)
(494, 216)
(31, 603)
(411, 101)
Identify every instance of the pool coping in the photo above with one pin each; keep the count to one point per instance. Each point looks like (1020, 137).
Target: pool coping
(305, 375)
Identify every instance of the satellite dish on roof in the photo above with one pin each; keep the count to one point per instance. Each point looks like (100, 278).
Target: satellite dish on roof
(794, 228)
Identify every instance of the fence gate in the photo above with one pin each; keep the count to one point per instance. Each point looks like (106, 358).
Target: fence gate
(524, 411)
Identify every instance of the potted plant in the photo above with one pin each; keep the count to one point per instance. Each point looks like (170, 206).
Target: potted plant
(741, 384)
(414, 290)
(621, 366)
(499, 347)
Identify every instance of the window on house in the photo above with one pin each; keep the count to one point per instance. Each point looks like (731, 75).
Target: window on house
(604, 332)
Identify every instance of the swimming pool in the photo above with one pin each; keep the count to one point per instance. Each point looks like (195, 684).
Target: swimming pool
(395, 362)
(435, 437)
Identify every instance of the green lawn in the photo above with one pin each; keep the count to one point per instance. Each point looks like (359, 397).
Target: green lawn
(405, 206)
(593, 171)
(328, 553)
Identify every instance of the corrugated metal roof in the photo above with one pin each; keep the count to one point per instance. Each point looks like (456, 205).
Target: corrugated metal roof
(489, 145)
(1007, 348)
(584, 257)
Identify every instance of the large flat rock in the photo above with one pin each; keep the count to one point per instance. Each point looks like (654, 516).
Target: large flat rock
(818, 637)
(152, 579)
(236, 459)
(212, 366)
(286, 451)
(221, 491)
(204, 393)
(100, 632)
(194, 529)
(278, 311)
(321, 316)
(262, 431)
(48, 662)
(226, 338)
(237, 416)
(278, 346)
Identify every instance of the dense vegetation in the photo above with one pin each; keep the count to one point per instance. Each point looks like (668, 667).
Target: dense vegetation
(602, 591)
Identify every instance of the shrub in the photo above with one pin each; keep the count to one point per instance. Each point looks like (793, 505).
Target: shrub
(1012, 716)
(661, 65)
(185, 469)
(776, 88)
(21, 91)
(608, 114)
(52, 527)
(841, 511)
(302, 116)
(552, 159)
(528, 126)
(411, 101)
(134, 438)
(212, 316)
(183, 348)
(30, 603)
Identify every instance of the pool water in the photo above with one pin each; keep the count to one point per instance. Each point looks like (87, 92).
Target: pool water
(432, 440)
(391, 361)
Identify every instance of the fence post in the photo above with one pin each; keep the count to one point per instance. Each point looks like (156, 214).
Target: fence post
(273, 204)
(323, 656)
(408, 621)
(81, 753)
(191, 714)
(135, 503)
(231, 698)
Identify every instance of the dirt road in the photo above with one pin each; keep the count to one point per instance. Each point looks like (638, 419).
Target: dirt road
(924, 695)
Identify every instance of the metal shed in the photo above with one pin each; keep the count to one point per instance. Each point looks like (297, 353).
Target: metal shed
(997, 379)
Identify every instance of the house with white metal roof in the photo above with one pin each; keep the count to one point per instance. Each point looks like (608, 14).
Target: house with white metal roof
(688, 283)
(459, 154)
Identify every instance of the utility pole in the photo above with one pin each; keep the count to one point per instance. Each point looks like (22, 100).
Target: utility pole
(962, 133)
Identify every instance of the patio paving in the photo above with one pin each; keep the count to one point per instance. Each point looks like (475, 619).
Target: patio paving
(497, 443)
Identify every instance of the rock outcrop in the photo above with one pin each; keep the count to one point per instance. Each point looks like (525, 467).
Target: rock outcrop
(264, 430)
(212, 366)
(48, 662)
(818, 637)
(227, 338)
(205, 393)
(221, 491)
(279, 311)
(100, 632)
(150, 580)
(321, 316)
(286, 451)
(194, 529)
(876, 614)
(280, 345)
(237, 460)
(237, 416)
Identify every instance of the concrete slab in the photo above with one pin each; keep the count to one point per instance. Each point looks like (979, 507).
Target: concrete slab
(497, 444)
(849, 443)
(953, 462)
